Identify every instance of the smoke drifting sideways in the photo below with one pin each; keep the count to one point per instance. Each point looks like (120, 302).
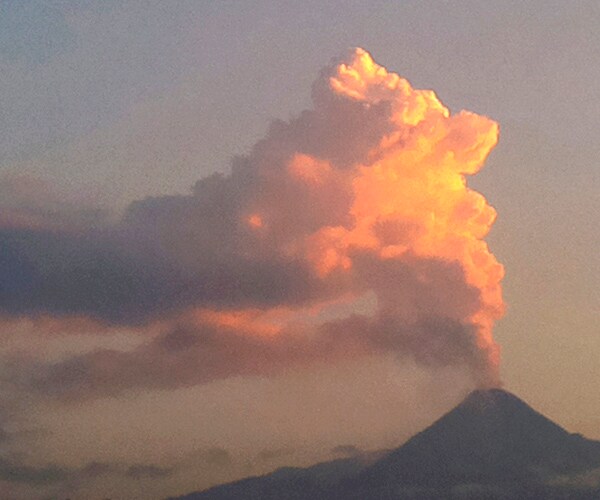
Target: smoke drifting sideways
(348, 230)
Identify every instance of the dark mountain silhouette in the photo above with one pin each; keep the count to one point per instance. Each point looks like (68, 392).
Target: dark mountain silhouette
(291, 482)
(492, 445)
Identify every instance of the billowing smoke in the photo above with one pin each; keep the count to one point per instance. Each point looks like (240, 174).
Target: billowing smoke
(348, 230)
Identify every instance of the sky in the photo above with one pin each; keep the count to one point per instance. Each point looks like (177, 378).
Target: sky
(221, 252)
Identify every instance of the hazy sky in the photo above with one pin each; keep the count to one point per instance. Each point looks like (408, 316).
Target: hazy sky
(105, 103)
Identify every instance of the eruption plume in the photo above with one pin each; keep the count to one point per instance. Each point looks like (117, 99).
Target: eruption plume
(348, 230)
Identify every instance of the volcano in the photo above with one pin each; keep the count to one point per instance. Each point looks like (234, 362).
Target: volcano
(492, 445)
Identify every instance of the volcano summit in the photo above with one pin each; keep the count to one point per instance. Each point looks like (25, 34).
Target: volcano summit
(492, 445)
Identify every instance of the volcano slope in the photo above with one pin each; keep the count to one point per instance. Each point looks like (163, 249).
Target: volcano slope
(492, 445)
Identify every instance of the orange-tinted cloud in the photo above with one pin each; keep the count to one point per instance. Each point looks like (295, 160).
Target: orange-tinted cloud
(365, 193)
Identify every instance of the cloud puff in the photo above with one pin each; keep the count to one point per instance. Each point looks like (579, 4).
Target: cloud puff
(363, 194)
(29, 202)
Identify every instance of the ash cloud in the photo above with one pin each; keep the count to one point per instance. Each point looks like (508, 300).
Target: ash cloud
(365, 193)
